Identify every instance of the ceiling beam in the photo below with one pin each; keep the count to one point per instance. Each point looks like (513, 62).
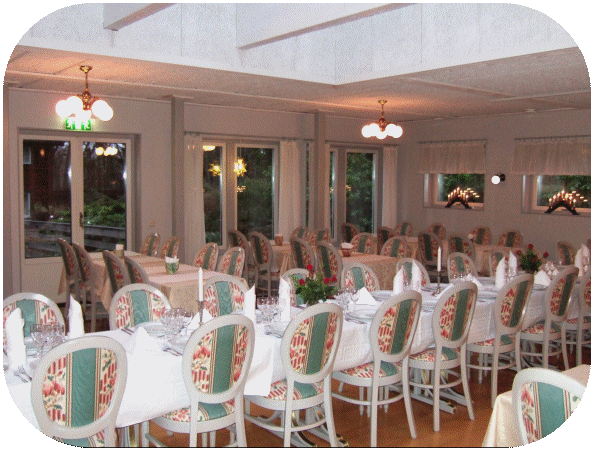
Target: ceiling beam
(119, 15)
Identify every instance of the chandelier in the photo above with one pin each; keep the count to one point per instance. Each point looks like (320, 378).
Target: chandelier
(382, 128)
(82, 106)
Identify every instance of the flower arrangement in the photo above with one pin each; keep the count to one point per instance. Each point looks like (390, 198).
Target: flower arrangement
(529, 261)
(314, 288)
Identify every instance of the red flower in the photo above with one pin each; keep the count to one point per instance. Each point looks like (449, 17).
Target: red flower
(301, 282)
(518, 252)
(530, 246)
(334, 279)
(327, 280)
(545, 255)
(309, 267)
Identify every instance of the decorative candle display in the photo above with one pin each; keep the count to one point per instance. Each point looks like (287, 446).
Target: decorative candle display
(439, 259)
(568, 200)
(462, 196)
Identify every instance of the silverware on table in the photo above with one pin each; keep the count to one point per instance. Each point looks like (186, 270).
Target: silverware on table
(23, 372)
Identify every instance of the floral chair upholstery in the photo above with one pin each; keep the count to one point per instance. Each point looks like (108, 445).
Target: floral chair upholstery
(481, 235)
(207, 257)
(364, 243)
(330, 262)
(232, 262)
(302, 252)
(170, 248)
(77, 389)
(224, 294)
(383, 234)
(237, 239)
(495, 258)
(35, 308)
(429, 244)
(302, 233)
(509, 310)
(391, 335)
(322, 234)
(150, 245)
(460, 265)
(404, 229)
(460, 244)
(542, 401)
(357, 276)
(137, 274)
(511, 238)
(75, 284)
(308, 350)
(216, 361)
(451, 321)
(291, 276)
(566, 253)
(406, 264)
(348, 231)
(438, 229)
(117, 273)
(136, 303)
(550, 332)
(89, 282)
(579, 328)
(265, 261)
(395, 247)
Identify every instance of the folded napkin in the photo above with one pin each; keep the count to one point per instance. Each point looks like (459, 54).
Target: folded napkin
(541, 278)
(365, 298)
(15, 344)
(195, 322)
(75, 320)
(170, 260)
(140, 341)
(416, 278)
(284, 298)
(512, 263)
(250, 304)
(206, 317)
(585, 251)
(501, 274)
(473, 279)
(399, 281)
(579, 261)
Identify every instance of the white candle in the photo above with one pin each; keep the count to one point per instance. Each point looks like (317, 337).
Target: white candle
(200, 290)
(439, 265)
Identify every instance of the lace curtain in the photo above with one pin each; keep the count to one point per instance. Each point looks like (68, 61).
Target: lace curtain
(553, 156)
(389, 207)
(194, 237)
(453, 157)
(292, 193)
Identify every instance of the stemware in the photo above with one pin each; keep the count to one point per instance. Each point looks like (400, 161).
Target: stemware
(56, 334)
(38, 334)
(277, 308)
(354, 298)
(272, 308)
(263, 307)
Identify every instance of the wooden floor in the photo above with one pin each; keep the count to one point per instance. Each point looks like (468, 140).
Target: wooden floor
(456, 430)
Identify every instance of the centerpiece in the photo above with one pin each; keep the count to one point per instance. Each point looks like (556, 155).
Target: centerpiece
(315, 288)
(529, 261)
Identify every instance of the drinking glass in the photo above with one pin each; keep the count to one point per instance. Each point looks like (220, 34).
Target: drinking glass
(272, 308)
(277, 307)
(38, 334)
(186, 318)
(263, 306)
(55, 334)
(354, 298)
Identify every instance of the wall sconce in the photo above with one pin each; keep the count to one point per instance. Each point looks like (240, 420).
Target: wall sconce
(496, 179)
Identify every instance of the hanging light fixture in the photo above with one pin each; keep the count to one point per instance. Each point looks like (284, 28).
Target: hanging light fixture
(382, 128)
(81, 106)
(239, 167)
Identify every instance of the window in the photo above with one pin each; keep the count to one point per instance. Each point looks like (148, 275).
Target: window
(548, 185)
(213, 188)
(446, 183)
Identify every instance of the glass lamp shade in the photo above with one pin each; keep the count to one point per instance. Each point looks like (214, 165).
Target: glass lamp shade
(101, 110)
(370, 130)
(394, 131)
(62, 109)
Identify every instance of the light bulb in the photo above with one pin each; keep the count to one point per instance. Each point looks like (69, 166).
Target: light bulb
(75, 105)
(99, 151)
(101, 110)
(367, 131)
(380, 134)
(62, 109)
(393, 130)
(495, 179)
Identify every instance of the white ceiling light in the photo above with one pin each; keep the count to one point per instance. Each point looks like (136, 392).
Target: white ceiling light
(382, 128)
(81, 106)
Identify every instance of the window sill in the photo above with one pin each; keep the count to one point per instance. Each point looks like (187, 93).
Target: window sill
(455, 207)
(562, 212)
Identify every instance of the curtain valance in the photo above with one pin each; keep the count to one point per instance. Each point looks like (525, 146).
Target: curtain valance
(453, 157)
(553, 156)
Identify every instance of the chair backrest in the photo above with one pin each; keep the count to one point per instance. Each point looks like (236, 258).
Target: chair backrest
(322, 234)
(207, 257)
(310, 343)
(510, 238)
(348, 231)
(117, 273)
(510, 305)
(383, 234)
(150, 244)
(85, 264)
(542, 400)
(329, 261)
(302, 233)
(137, 274)
(35, 308)
(460, 264)
(170, 248)
(136, 303)
(429, 243)
(262, 250)
(216, 361)
(364, 243)
(237, 239)
(453, 314)
(224, 294)
(302, 253)
(495, 257)
(232, 262)
(565, 253)
(297, 275)
(395, 247)
(460, 244)
(558, 294)
(70, 261)
(356, 275)
(585, 295)
(404, 229)
(77, 390)
(481, 235)
(438, 229)
(407, 265)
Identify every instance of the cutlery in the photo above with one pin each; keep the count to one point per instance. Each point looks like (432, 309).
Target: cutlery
(171, 350)
(23, 372)
(128, 331)
(356, 321)
(17, 373)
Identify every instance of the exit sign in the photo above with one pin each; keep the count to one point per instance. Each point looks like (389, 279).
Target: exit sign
(74, 124)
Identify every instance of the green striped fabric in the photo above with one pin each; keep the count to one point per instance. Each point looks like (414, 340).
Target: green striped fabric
(325, 266)
(317, 343)
(357, 274)
(83, 387)
(519, 303)
(28, 313)
(404, 311)
(140, 305)
(223, 359)
(224, 297)
(462, 314)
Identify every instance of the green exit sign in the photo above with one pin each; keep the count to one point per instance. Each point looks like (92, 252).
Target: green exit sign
(75, 124)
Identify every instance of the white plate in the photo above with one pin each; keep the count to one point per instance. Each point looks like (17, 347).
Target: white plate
(153, 328)
(382, 296)
(362, 314)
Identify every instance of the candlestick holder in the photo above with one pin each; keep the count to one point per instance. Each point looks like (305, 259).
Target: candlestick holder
(439, 276)
(461, 196)
(567, 200)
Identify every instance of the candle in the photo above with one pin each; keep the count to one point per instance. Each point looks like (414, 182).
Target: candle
(439, 261)
(200, 290)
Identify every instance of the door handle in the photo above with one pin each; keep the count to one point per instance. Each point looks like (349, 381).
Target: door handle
(81, 219)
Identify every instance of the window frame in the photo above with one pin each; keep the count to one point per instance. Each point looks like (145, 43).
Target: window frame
(431, 190)
(529, 200)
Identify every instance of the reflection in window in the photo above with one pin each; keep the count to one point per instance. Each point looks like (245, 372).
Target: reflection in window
(212, 176)
(446, 183)
(548, 185)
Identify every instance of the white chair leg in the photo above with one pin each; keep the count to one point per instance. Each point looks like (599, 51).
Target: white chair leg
(465, 384)
(407, 400)
(579, 340)
(373, 413)
(436, 398)
(563, 344)
(494, 377)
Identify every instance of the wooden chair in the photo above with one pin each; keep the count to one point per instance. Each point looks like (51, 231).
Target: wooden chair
(302, 253)
(438, 229)
(348, 231)
(136, 303)
(395, 247)
(117, 273)
(510, 238)
(579, 328)
(35, 308)
(404, 229)
(481, 235)
(330, 262)
(170, 248)
(207, 257)
(89, 281)
(364, 243)
(224, 294)
(232, 262)
(356, 275)
(150, 244)
(383, 234)
(295, 275)
(266, 263)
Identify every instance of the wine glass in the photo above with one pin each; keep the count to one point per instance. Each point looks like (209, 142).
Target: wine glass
(186, 319)
(263, 306)
(38, 334)
(272, 308)
(354, 298)
(277, 307)
(55, 334)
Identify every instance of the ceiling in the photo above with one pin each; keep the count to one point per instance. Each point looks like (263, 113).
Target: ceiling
(552, 80)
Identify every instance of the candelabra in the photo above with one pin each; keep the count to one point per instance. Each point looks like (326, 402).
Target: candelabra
(462, 196)
(568, 200)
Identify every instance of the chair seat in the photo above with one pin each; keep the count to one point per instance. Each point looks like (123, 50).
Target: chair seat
(366, 370)
(573, 321)
(301, 390)
(448, 354)
(538, 328)
(505, 340)
(206, 411)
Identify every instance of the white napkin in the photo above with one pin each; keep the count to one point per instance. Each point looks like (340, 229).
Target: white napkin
(170, 260)
(416, 278)
(206, 317)
(140, 341)
(501, 274)
(512, 262)
(15, 344)
(579, 261)
(365, 298)
(541, 278)
(75, 320)
(250, 304)
(473, 279)
(585, 251)
(195, 322)
(284, 297)
(399, 281)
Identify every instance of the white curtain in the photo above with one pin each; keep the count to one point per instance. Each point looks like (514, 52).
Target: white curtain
(292, 187)
(453, 157)
(194, 237)
(327, 202)
(553, 156)
(390, 187)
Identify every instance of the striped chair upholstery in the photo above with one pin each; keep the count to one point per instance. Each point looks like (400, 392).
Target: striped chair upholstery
(438, 229)
(357, 276)
(170, 248)
(330, 262)
(383, 234)
(35, 308)
(495, 258)
(429, 244)
(566, 253)
(302, 233)
(364, 243)
(266, 262)
(232, 262)
(293, 276)
(511, 238)
(89, 281)
(406, 264)
(395, 247)
(136, 303)
(75, 283)
(481, 235)
(117, 273)
(322, 234)
(348, 231)
(224, 294)
(302, 252)
(460, 244)
(207, 257)
(136, 272)
(237, 239)
(459, 264)
(404, 229)
(150, 244)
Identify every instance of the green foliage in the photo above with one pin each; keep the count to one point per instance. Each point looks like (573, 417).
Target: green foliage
(449, 182)
(548, 185)
(104, 211)
(359, 190)
(314, 288)
(529, 260)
